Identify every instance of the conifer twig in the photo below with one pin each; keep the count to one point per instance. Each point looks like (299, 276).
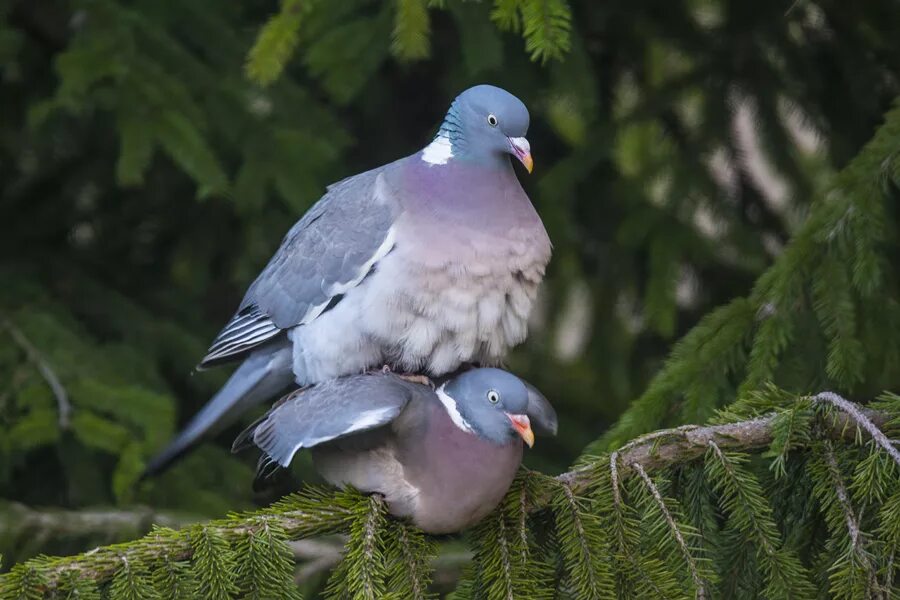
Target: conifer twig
(613, 476)
(859, 416)
(34, 355)
(669, 447)
(370, 541)
(523, 523)
(850, 518)
(417, 592)
(505, 557)
(843, 497)
(676, 531)
(582, 536)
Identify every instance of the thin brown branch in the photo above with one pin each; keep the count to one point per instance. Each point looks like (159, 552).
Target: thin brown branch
(582, 536)
(762, 539)
(523, 524)
(843, 497)
(505, 558)
(613, 477)
(370, 542)
(858, 415)
(676, 531)
(669, 447)
(409, 559)
(64, 407)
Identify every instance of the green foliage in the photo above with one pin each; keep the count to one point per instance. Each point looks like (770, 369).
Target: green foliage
(131, 582)
(750, 514)
(214, 564)
(411, 30)
(812, 279)
(408, 554)
(507, 564)
(606, 530)
(677, 179)
(276, 42)
(362, 573)
(582, 544)
(265, 563)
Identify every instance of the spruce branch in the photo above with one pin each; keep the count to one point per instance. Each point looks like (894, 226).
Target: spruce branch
(412, 561)
(843, 497)
(523, 524)
(317, 512)
(505, 558)
(613, 476)
(857, 540)
(577, 524)
(676, 531)
(314, 511)
(859, 416)
(670, 447)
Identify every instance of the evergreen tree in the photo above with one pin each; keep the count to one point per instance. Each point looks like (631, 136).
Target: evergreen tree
(716, 175)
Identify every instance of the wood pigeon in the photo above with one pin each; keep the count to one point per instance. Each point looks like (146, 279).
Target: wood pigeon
(443, 458)
(423, 264)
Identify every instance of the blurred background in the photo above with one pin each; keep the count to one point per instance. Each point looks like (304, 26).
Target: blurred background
(148, 172)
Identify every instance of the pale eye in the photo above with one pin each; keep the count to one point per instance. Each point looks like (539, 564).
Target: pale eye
(493, 396)
(492, 120)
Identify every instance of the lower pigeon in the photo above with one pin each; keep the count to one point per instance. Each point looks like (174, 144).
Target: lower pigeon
(442, 457)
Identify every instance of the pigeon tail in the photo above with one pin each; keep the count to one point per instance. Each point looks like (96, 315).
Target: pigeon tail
(263, 375)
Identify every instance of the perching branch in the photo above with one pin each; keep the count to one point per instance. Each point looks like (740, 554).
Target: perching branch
(669, 447)
(312, 513)
(34, 355)
(316, 513)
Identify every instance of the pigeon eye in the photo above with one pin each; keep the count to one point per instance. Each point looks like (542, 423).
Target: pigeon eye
(492, 120)
(493, 396)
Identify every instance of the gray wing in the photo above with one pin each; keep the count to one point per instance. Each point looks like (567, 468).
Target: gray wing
(328, 411)
(326, 254)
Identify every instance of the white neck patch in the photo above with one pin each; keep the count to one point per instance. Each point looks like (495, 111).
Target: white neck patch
(439, 151)
(450, 406)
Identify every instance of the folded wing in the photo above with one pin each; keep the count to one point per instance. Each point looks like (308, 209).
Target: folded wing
(326, 412)
(330, 251)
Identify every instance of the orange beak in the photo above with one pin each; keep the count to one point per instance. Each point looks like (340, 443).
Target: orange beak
(522, 150)
(523, 427)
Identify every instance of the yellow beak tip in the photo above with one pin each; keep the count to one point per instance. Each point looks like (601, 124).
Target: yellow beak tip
(528, 162)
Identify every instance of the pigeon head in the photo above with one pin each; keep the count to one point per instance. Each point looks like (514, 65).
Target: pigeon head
(484, 124)
(490, 403)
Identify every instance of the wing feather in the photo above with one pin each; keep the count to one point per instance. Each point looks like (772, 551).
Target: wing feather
(324, 256)
(326, 412)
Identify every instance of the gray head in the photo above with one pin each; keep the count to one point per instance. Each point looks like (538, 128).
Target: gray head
(491, 403)
(484, 123)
